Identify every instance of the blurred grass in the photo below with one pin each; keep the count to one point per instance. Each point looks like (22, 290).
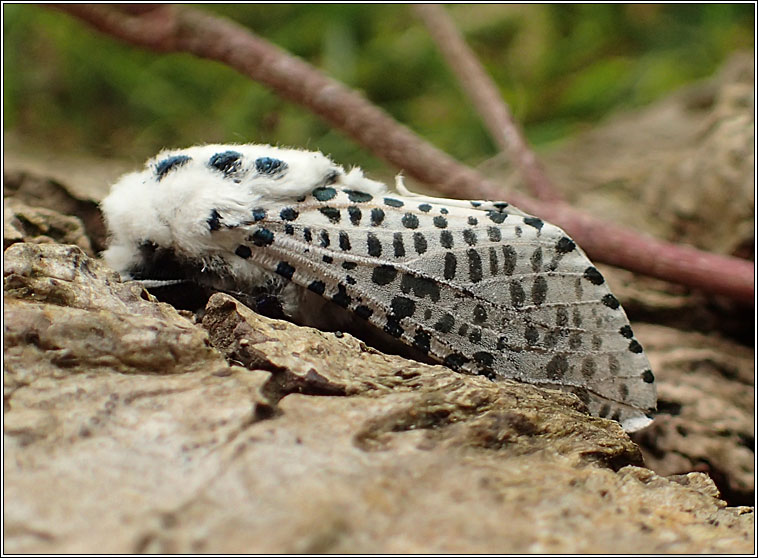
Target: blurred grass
(561, 67)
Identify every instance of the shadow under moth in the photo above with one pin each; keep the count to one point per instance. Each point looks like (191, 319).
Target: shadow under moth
(478, 286)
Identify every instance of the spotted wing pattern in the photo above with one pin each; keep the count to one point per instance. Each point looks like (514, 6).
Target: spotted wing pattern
(478, 286)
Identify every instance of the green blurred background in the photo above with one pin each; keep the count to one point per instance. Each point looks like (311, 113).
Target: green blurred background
(561, 68)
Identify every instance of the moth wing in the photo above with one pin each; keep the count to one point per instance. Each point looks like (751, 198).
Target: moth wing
(483, 289)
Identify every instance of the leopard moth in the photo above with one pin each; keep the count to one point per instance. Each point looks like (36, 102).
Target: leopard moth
(479, 286)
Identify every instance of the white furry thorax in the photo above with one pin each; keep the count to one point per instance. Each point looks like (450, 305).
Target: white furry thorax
(172, 209)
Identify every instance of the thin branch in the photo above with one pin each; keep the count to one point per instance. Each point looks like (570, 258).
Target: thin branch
(175, 28)
(487, 100)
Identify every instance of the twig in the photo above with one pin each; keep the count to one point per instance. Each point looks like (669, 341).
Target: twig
(484, 94)
(174, 28)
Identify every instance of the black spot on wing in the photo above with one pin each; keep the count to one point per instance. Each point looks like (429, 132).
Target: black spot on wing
(285, 270)
(422, 340)
(393, 327)
(557, 367)
(243, 252)
(403, 307)
(358, 197)
(592, 275)
(483, 358)
(445, 324)
(269, 165)
(451, 262)
(262, 237)
(374, 245)
(344, 241)
(392, 202)
(532, 335)
(534, 222)
(565, 245)
(259, 214)
(324, 194)
(551, 337)
(474, 265)
(539, 290)
(333, 214)
(510, 258)
(227, 162)
(214, 221)
(419, 243)
(170, 163)
(561, 317)
(589, 368)
(397, 245)
(355, 215)
(455, 361)
(288, 214)
(611, 302)
(494, 264)
(420, 286)
(363, 311)
(383, 274)
(377, 216)
(496, 216)
(575, 340)
(341, 298)
(623, 392)
(536, 260)
(410, 221)
(317, 287)
(517, 294)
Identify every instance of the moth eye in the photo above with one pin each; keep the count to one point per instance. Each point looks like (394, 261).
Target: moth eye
(226, 162)
(170, 163)
(268, 165)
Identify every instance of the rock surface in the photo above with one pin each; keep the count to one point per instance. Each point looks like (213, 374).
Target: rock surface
(23, 223)
(125, 431)
(706, 399)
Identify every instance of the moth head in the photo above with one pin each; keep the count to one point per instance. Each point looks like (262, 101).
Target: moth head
(182, 197)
